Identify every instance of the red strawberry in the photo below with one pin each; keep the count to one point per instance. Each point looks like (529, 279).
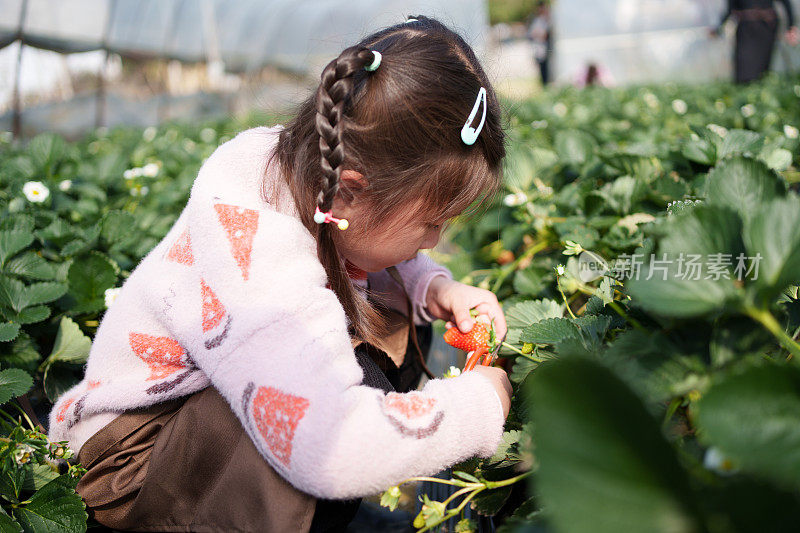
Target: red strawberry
(477, 337)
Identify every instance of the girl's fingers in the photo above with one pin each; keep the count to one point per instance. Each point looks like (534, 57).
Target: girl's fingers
(493, 311)
(463, 319)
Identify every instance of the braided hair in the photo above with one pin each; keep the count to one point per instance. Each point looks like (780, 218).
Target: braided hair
(399, 127)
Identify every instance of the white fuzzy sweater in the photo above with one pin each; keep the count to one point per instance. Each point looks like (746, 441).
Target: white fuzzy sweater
(235, 297)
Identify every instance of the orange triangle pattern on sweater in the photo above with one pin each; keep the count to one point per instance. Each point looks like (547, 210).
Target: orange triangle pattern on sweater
(410, 405)
(240, 226)
(163, 355)
(63, 410)
(277, 414)
(181, 250)
(213, 310)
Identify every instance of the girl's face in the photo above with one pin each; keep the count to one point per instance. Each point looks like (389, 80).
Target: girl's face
(400, 239)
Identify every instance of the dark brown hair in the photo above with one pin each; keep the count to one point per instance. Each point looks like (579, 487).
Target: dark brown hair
(400, 127)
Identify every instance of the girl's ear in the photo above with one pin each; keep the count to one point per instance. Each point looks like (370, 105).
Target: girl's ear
(351, 181)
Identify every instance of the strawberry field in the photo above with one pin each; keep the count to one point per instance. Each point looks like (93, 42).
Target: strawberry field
(646, 251)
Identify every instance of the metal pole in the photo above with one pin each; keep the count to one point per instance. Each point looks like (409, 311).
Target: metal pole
(16, 119)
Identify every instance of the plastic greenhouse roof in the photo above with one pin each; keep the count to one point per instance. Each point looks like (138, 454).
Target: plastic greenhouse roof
(245, 34)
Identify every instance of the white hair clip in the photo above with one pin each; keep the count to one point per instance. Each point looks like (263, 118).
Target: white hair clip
(411, 20)
(468, 133)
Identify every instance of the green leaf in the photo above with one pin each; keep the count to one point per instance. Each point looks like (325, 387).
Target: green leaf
(574, 147)
(752, 417)
(46, 150)
(8, 524)
(604, 466)
(742, 184)
(31, 315)
(650, 363)
(700, 151)
(529, 312)
(71, 345)
(89, 277)
(19, 222)
(466, 477)
(671, 295)
(14, 382)
(117, 225)
(55, 508)
(695, 272)
(30, 265)
(529, 282)
(704, 230)
(41, 293)
(509, 440)
(490, 501)
(21, 353)
(522, 367)
(592, 328)
(743, 142)
(549, 331)
(778, 159)
(12, 293)
(621, 195)
(8, 331)
(37, 476)
(59, 232)
(59, 378)
(12, 242)
(773, 234)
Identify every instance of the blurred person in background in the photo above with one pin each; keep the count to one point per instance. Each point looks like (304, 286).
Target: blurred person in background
(757, 26)
(593, 75)
(540, 35)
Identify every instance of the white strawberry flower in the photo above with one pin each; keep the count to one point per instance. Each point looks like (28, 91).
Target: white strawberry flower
(715, 460)
(111, 295)
(539, 124)
(188, 145)
(149, 133)
(517, 198)
(560, 270)
(452, 372)
(65, 185)
(790, 131)
(35, 191)
(748, 110)
(571, 248)
(150, 170)
(22, 453)
(722, 131)
(651, 100)
(207, 135)
(679, 106)
(139, 190)
(560, 109)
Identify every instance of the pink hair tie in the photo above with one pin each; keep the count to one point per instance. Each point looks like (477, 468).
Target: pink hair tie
(321, 218)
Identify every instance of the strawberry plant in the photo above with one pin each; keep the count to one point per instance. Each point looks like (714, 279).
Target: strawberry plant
(647, 262)
(645, 399)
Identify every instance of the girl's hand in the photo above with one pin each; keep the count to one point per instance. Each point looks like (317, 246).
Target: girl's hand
(450, 300)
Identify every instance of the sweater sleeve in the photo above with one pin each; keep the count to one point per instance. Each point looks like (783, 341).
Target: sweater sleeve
(273, 340)
(417, 274)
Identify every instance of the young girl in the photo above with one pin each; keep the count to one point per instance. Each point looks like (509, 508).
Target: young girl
(222, 391)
